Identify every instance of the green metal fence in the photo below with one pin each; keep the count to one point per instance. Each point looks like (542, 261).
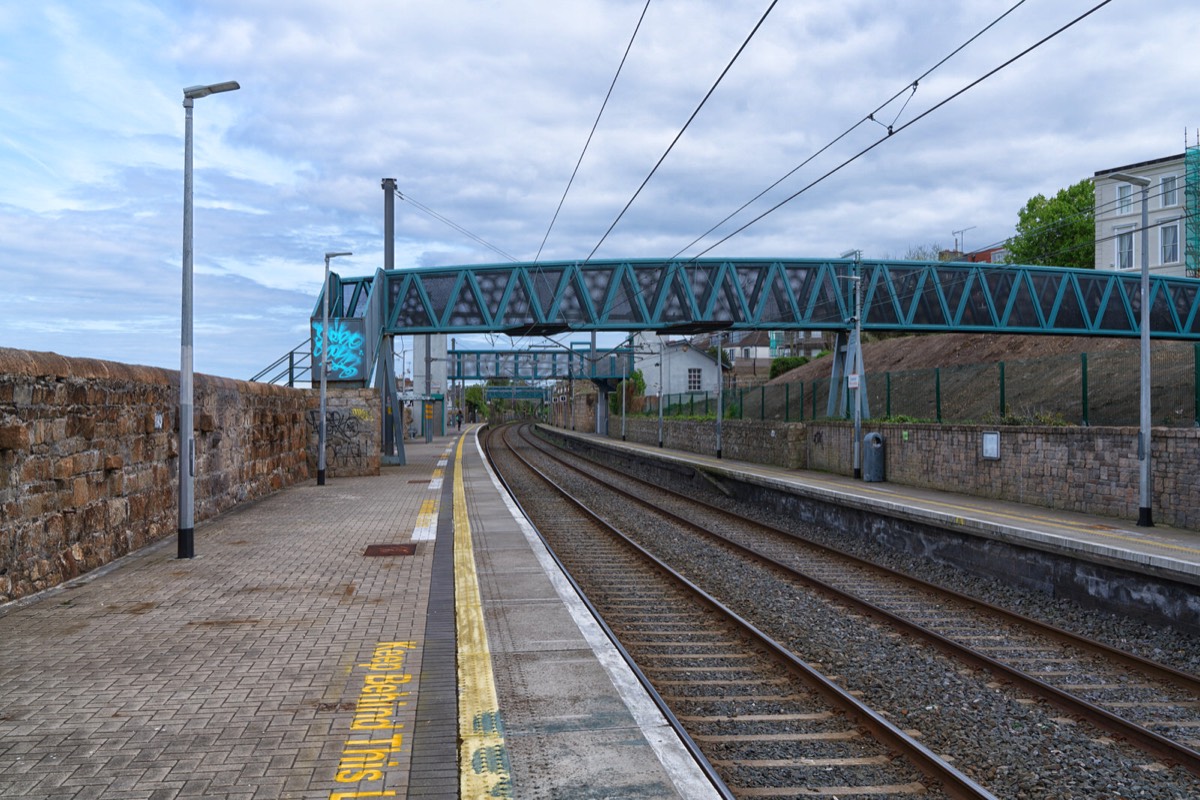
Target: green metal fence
(1077, 389)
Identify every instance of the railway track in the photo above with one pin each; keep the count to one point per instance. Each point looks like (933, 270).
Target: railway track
(1143, 703)
(770, 725)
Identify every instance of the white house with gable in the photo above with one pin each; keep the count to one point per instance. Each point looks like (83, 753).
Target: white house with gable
(1119, 216)
(673, 367)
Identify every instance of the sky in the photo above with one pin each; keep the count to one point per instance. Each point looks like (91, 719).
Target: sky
(480, 111)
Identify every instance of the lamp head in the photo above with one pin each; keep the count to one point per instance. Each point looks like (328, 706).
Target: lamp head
(1127, 178)
(192, 92)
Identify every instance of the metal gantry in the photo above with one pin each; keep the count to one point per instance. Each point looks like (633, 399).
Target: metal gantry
(539, 365)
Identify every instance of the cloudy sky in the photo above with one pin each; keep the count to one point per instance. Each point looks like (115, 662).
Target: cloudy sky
(480, 111)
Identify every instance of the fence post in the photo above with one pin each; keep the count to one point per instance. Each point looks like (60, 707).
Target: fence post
(292, 369)
(787, 403)
(937, 391)
(887, 380)
(762, 403)
(1083, 371)
(1003, 402)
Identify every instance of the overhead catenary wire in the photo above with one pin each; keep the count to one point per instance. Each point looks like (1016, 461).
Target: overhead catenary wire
(679, 135)
(453, 225)
(910, 87)
(892, 132)
(592, 133)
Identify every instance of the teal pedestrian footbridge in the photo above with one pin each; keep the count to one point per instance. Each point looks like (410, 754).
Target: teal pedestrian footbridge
(707, 295)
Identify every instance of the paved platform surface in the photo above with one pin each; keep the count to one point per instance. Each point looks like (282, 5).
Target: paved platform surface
(284, 662)
(1162, 549)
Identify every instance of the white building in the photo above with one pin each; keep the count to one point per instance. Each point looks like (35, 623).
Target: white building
(1169, 206)
(674, 367)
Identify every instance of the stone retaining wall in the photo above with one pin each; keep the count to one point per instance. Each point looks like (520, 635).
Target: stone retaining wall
(352, 430)
(1091, 470)
(89, 459)
(780, 444)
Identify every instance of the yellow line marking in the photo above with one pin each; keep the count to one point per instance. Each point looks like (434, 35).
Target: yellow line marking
(483, 758)
(376, 742)
(427, 518)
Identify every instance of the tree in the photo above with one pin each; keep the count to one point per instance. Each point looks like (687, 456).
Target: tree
(1059, 231)
(925, 252)
(785, 364)
(474, 399)
(921, 252)
(633, 386)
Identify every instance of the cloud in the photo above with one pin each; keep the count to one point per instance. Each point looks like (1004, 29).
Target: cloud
(480, 110)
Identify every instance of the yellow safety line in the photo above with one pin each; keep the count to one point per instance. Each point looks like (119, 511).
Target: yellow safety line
(483, 759)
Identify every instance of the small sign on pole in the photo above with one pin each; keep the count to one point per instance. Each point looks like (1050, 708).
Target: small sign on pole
(852, 378)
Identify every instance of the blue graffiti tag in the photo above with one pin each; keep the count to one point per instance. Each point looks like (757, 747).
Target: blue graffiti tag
(345, 349)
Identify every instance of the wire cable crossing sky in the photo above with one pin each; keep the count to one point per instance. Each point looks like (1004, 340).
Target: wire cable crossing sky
(481, 112)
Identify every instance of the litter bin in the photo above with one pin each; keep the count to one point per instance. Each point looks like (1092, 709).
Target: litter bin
(872, 458)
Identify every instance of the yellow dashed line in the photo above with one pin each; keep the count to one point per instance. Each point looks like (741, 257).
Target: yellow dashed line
(483, 757)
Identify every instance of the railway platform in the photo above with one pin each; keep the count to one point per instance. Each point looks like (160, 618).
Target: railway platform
(402, 636)
(1162, 550)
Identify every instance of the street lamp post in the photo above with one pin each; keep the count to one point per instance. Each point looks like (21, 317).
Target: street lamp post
(624, 391)
(1145, 514)
(720, 388)
(661, 358)
(856, 359)
(187, 440)
(324, 368)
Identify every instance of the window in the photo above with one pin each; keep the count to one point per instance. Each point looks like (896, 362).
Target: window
(1125, 248)
(1169, 194)
(745, 352)
(693, 379)
(1168, 240)
(1124, 198)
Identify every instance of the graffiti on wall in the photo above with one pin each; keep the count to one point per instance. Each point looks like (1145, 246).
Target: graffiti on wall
(346, 351)
(343, 432)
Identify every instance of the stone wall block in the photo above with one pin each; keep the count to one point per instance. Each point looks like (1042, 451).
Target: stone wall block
(14, 436)
(94, 458)
(36, 469)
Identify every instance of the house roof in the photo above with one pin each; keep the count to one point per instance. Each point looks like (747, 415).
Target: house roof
(1130, 167)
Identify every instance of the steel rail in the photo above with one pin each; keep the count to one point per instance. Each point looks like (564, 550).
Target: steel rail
(1148, 740)
(955, 783)
(685, 738)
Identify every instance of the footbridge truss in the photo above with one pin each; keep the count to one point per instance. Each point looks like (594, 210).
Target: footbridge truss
(682, 297)
(540, 365)
(755, 294)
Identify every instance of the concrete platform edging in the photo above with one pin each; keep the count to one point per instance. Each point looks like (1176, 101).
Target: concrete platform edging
(680, 767)
(484, 769)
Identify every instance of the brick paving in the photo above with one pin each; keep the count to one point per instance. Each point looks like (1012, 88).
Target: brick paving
(233, 675)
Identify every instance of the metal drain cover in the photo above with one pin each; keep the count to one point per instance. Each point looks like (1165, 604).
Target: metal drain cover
(390, 550)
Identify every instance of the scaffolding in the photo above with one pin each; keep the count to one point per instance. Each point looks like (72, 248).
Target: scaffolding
(1191, 219)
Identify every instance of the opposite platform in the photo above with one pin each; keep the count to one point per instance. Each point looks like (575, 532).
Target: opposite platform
(1163, 551)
